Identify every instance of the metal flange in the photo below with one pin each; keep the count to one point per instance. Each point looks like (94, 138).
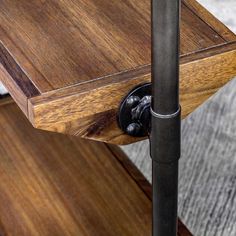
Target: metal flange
(134, 111)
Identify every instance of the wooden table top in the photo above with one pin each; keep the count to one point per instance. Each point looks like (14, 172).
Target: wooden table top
(69, 63)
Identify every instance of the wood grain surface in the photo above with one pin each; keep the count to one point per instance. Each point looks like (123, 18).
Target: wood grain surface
(54, 184)
(49, 112)
(68, 64)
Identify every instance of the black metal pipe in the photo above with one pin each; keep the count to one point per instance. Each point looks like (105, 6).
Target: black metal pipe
(165, 192)
(165, 120)
(165, 56)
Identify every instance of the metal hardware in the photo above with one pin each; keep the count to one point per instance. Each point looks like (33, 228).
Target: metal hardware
(159, 115)
(166, 114)
(134, 112)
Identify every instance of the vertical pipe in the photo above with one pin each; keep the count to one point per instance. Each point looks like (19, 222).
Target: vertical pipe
(165, 122)
(165, 56)
(165, 192)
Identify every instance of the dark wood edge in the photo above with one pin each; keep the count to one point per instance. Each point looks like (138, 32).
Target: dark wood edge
(14, 90)
(141, 181)
(16, 73)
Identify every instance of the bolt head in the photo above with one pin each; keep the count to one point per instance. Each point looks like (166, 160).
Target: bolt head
(132, 101)
(133, 129)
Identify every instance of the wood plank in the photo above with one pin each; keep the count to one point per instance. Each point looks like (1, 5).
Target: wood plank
(72, 42)
(15, 91)
(71, 62)
(202, 74)
(54, 184)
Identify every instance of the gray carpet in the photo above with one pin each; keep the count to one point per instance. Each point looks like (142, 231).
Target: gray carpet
(207, 198)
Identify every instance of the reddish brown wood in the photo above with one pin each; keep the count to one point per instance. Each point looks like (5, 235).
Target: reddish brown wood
(54, 184)
(68, 64)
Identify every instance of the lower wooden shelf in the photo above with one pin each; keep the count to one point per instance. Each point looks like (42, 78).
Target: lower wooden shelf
(53, 184)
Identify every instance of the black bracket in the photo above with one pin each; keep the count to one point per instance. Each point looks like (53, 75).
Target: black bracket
(134, 116)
